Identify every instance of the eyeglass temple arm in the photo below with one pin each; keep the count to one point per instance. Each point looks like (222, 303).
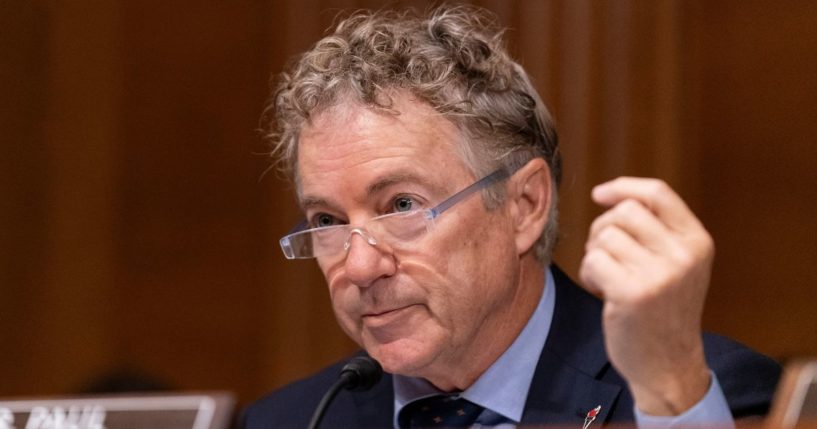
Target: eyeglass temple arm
(498, 175)
(299, 227)
(501, 174)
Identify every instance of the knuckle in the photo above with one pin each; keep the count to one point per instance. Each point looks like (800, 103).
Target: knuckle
(587, 259)
(590, 260)
(658, 189)
(587, 267)
(658, 185)
(708, 243)
(683, 257)
(701, 245)
(597, 224)
(629, 208)
(607, 235)
(584, 269)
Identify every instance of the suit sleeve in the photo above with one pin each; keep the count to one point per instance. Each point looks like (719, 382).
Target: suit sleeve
(747, 378)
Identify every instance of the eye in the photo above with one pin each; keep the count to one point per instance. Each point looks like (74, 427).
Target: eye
(403, 204)
(322, 219)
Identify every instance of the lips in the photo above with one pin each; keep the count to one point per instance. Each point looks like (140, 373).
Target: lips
(378, 313)
(380, 318)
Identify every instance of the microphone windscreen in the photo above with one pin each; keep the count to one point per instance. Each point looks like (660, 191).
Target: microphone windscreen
(362, 372)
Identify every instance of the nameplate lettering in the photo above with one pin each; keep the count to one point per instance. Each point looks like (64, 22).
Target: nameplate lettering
(171, 411)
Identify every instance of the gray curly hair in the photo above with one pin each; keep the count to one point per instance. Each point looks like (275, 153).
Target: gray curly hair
(454, 60)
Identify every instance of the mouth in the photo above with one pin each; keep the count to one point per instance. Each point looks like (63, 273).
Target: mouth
(380, 318)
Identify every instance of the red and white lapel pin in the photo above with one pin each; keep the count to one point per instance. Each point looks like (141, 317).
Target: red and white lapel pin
(591, 416)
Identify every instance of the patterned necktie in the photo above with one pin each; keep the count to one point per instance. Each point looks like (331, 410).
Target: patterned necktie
(439, 411)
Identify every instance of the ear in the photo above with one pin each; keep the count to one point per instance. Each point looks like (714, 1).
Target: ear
(529, 197)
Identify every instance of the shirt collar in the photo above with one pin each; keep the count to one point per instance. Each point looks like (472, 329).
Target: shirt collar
(503, 387)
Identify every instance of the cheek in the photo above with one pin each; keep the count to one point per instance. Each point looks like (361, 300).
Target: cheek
(346, 305)
(480, 263)
(449, 280)
(477, 247)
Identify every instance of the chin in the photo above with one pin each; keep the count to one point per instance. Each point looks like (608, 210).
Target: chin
(401, 357)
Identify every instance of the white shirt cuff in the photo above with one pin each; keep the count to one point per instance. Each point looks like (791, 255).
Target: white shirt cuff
(711, 411)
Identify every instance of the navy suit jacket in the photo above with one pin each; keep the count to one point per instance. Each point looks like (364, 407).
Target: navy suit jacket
(573, 376)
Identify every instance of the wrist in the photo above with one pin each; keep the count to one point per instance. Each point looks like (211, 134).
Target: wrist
(672, 394)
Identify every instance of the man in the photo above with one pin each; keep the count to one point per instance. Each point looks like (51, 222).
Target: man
(427, 169)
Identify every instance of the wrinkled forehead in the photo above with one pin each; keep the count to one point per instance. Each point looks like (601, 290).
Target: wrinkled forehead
(352, 132)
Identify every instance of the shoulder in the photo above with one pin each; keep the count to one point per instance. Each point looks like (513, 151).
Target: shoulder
(748, 378)
(292, 406)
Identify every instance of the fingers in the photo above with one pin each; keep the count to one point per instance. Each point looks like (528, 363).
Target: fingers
(650, 258)
(636, 220)
(598, 264)
(613, 258)
(654, 194)
(647, 237)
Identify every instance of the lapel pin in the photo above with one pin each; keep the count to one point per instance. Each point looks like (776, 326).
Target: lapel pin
(591, 416)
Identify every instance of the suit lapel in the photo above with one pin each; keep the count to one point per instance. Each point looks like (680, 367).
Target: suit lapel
(566, 383)
(563, 395)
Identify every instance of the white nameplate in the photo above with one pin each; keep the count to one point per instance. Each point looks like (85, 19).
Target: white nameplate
(166, 411)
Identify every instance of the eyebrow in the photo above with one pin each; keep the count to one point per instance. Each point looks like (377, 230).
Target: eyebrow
(393, 179)
(307, 202)
(374, 188)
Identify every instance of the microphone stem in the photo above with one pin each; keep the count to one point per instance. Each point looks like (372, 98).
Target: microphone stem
(327, 398)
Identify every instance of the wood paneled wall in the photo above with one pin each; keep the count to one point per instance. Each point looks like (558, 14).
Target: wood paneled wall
(136, 233)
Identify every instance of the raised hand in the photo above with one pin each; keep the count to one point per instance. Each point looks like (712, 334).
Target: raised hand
(650, 259)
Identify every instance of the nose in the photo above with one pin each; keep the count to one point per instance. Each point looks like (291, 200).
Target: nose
(366, 261)
(365, 234)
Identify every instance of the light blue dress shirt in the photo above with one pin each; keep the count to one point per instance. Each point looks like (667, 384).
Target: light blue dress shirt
(503, 388)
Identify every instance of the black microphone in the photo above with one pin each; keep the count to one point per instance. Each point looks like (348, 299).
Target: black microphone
(361, 373)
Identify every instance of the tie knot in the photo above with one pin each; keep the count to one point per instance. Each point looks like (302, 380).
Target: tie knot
(440, 411)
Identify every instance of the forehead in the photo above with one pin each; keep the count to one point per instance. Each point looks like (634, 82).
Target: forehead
(351, 145)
